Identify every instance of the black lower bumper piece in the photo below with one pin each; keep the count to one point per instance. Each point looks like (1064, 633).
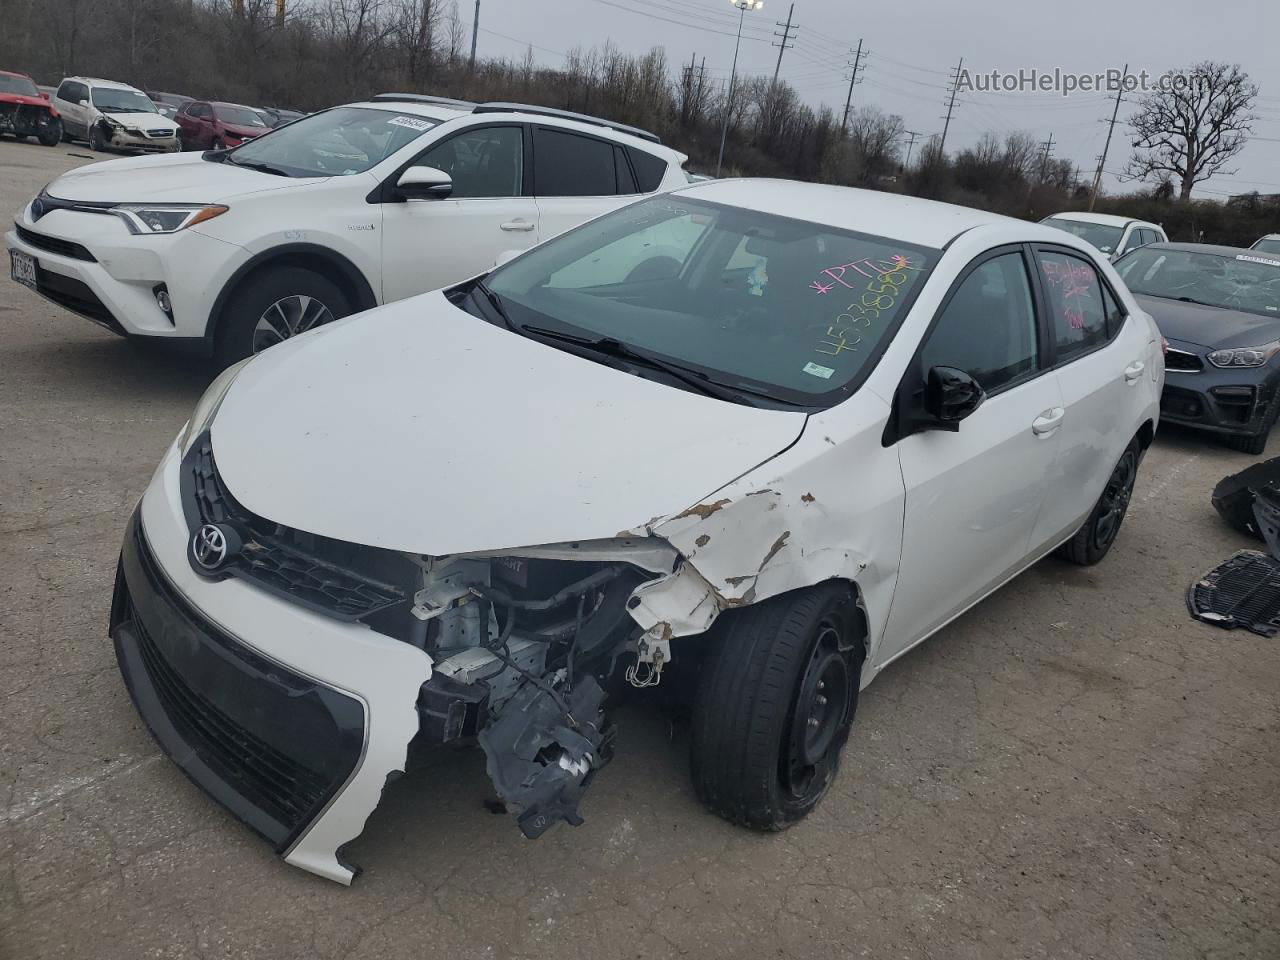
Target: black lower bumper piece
(1243, 592)
(269, 744)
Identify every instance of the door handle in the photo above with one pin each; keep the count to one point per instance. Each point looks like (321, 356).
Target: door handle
(521, 225)
(1133, 372)
(1048, 421)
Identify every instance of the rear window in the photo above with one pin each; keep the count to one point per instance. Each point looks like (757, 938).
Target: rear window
(649, 169)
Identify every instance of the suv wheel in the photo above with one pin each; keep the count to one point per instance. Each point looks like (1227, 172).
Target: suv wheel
(274, 305)
(1093, 541)
(775, 704)
(50, 131)
(96, 143)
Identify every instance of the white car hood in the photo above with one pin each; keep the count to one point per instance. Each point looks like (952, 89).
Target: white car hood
(165, 178)
(419, 427)
(143, 120)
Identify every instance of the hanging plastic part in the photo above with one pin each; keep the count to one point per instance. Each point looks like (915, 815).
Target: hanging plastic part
(541, 758)
(652, 653)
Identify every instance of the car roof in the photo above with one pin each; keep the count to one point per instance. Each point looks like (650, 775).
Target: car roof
(1269, 236)
(14, 73)
(228, 103)
(928, 223)
(443, 112)
(1110, 219)
(1215, 249)
(99, 82)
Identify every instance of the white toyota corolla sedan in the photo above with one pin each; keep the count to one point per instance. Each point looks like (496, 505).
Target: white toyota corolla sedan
(765, 435)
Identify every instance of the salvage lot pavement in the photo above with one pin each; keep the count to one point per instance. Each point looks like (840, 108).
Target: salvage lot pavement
(1072, 769)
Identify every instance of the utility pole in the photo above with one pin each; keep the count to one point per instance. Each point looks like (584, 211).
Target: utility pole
(853, 78)
(787, 41)
(695, 79)
(1102, 160)
(743, 6)
(910, 143)
(951, 105)
(475, 31)
(279, 13)
(1044, 157)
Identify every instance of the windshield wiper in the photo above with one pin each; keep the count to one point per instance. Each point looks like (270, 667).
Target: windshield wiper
(1195, 301)
(495, 302)
(255, 165)
(612, 347)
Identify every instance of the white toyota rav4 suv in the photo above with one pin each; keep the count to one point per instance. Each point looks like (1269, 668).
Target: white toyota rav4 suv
(232, 251)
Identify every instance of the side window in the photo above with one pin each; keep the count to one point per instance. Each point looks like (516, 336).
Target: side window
(1115, 313)
(658, 252)
(488, 162)
(649, 169)
(569, 165)
(626, 182)
(988, 327)
(64, 90)
(1077, 309)
(201, 110)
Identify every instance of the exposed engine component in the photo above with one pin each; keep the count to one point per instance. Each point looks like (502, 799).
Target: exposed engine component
(543, 749)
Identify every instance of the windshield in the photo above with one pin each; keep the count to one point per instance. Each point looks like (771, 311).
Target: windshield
(1240, 282)
(338, 142)
(787, 308)
(1101, 235)
(20, 85)
(1268, 246)
(240, 116)
(121, 101)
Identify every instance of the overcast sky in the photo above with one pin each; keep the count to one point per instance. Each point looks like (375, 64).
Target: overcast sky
(914, 45)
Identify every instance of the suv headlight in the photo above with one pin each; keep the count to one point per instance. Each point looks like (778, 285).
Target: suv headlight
(207, 406)
(166, 217)
(1245, 356)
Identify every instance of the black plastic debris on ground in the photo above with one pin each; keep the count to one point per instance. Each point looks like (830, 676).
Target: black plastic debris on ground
(1243, 592)
(1234, 495)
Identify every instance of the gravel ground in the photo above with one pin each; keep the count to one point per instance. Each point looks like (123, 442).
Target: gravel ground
(1072, 769)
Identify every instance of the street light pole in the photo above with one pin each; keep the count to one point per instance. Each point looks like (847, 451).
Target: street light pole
(743, 6)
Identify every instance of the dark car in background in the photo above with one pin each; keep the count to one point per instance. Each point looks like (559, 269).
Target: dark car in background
(25, 111)
(213, 125)
(1219, 309)
(278, 116)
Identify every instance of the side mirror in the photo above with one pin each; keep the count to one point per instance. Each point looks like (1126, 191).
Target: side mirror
(83, 101)
(504, 256)
(950, 395)
(424, 183)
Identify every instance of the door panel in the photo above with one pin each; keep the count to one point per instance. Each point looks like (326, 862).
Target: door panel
(973, 496)
(427, 244)
(1097, 352)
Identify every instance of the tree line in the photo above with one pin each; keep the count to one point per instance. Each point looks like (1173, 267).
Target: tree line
(312, 55)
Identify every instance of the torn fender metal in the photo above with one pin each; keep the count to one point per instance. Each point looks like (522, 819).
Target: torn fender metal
(830, 506)
(383, 674)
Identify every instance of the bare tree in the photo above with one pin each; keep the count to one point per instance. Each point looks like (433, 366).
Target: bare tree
(1192, 129)
(418, 32)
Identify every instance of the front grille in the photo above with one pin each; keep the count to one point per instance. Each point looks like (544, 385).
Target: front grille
(65, 248)
(283, 788)
(77, 297)
(312, 571)
(1182, 360)
(159, 134)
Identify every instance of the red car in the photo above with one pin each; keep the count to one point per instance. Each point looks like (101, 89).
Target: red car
(25, 111)
(210, 125)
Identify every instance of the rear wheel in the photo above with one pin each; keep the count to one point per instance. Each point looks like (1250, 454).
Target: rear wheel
(1093, 541)
(274, 305)
(775, 704)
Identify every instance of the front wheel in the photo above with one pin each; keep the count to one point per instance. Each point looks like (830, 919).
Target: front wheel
(96, 142)
(1093, 541)
(274, 305)
(775, 704)
(50, 132)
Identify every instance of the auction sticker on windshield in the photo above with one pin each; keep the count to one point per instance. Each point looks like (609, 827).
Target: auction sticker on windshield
(1269, 263)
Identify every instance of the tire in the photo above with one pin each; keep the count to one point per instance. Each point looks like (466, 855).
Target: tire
(51, 133)
(239, 334)
(96, 143)
(766, 667)
(217, 144)
(1093, 541)
(1253, 445)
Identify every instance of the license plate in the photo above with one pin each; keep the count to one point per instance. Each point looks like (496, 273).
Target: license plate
(22, 267)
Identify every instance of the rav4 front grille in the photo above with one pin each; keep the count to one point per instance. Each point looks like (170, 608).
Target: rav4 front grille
(339, 579)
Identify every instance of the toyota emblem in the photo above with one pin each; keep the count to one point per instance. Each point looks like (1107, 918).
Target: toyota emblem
(209, 546)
